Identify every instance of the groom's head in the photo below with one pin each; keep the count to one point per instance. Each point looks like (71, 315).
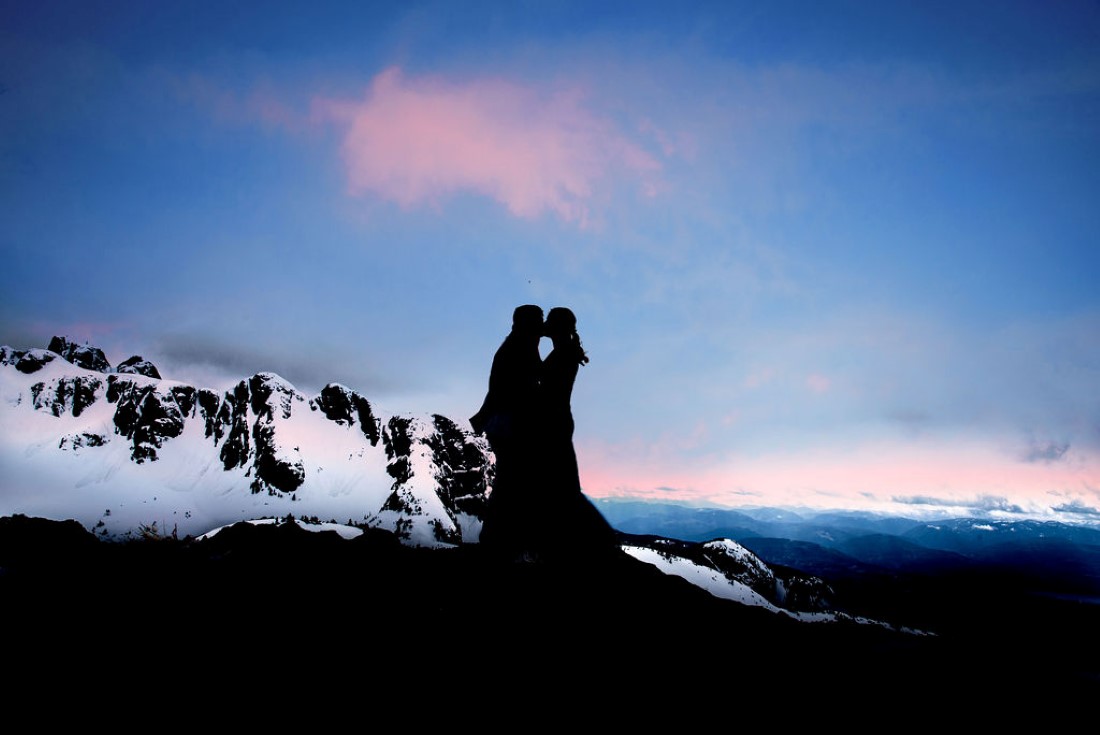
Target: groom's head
(527, 319)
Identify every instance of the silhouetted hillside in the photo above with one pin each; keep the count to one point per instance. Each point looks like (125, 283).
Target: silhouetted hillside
(275, 602)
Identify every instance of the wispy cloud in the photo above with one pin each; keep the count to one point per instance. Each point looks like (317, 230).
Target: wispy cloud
(416, 140)
(1046, 452)
(981, 503)
(1077, 507)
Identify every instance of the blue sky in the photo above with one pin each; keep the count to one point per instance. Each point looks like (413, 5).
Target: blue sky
(832, 254)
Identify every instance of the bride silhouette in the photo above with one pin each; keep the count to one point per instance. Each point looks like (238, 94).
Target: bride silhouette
(568, 521)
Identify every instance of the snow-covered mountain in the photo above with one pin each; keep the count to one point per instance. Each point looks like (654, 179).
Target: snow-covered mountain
(123, 451)
(730, 571)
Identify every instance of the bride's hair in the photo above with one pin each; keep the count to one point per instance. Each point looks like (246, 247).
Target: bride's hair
(562, 320)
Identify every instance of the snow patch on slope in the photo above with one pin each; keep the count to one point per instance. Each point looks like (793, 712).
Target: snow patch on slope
(345, 531)
(720, 585)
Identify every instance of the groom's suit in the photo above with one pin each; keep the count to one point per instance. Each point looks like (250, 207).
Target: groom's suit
(507, 419)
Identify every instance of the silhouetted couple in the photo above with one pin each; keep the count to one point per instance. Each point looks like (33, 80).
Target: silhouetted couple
(536, 508)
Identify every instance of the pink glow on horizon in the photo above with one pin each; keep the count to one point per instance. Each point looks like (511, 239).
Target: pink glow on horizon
(415, 140)
(879, 477)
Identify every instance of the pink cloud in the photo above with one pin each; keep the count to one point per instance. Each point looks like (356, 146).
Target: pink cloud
(414, 141)
(818, 383)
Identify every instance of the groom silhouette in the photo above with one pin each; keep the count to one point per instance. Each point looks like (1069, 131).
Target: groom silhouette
(507, 419)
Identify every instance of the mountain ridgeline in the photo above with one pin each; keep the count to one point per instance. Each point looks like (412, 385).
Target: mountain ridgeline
(420, 476)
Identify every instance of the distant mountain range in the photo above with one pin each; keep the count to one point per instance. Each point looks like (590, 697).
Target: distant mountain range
(996, 582)
(838, 543)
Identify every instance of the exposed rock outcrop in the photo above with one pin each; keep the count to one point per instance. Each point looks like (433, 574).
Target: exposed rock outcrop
(138, 365)
(85, 356)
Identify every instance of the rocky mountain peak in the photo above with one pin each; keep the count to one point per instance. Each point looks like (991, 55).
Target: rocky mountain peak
(346, 406)
(27, 361)
(138, 365)
(85, 356)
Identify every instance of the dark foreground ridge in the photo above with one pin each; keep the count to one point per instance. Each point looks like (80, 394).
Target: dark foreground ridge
(278, 604)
